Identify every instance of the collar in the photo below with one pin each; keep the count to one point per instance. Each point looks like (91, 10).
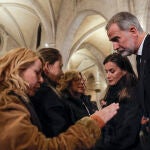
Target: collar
(141, 47)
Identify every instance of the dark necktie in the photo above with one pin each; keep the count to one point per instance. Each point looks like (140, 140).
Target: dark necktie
(138, 64)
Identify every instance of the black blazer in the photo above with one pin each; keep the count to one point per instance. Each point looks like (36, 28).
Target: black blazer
(144, 81)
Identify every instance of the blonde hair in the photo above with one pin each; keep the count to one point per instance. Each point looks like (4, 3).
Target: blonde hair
(11, 66)
(66, 80)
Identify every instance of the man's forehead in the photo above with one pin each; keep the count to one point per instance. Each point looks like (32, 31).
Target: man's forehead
(113, 32)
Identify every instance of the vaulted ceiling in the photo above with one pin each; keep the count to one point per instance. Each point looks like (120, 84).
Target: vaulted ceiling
(75, 27)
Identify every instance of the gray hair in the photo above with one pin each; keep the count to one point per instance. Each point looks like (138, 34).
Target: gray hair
(124, 20)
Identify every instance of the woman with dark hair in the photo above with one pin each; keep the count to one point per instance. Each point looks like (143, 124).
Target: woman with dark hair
(49, 105)
(121, 133)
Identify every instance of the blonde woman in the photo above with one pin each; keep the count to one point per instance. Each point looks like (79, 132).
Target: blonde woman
(72, 87)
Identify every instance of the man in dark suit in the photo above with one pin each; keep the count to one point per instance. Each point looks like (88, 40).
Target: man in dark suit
(128, 37)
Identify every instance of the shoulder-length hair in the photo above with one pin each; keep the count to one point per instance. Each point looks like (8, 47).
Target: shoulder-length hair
(124, 64)
(66, 80)
(12, 64)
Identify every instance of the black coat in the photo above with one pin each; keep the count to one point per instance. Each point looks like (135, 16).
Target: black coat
(144, 82)
(144, 85)
(51, 110)
(121, 132)
(79, 107)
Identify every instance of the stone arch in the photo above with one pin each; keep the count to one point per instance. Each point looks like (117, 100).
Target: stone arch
(75, 25)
